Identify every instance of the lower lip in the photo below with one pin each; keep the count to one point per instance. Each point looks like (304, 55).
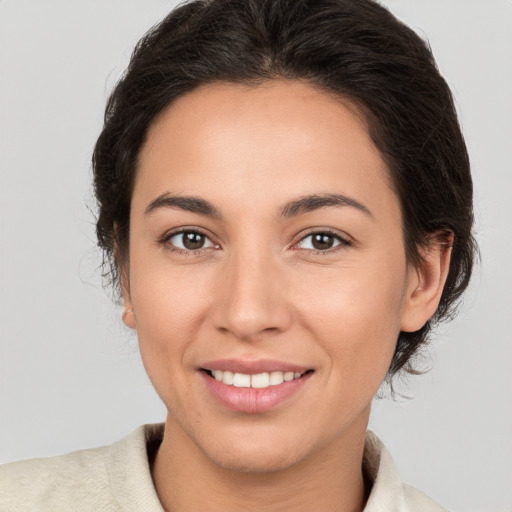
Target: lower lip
(253, 400)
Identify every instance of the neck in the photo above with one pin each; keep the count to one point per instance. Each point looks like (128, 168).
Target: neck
(331, 479)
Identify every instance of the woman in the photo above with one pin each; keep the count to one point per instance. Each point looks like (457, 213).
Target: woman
(285, 200)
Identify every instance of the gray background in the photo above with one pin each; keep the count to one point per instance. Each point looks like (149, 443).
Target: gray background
(70, 374)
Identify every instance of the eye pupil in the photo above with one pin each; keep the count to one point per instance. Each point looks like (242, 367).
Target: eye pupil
(193, 240)
(322, 241)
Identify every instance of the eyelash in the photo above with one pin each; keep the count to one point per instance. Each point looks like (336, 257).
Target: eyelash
(185, 252)
(165, 240)
(342, 241)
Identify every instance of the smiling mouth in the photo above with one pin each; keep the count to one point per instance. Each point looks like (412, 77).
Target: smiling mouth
(257, 380)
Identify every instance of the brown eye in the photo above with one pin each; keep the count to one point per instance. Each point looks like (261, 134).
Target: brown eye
(193, 240)
(321, 241)
(190, 241)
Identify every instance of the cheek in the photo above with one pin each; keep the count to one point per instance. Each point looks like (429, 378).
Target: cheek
(355, 314)
(169, 312)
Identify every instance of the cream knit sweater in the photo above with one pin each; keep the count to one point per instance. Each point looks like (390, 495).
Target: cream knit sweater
(117, 478)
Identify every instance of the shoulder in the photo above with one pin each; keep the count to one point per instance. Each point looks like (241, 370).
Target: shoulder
(388, 491)
(56, 482)
(86, 480)
(416, 500)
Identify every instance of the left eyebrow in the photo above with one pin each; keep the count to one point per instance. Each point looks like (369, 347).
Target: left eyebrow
(314, 202)
(187, 203)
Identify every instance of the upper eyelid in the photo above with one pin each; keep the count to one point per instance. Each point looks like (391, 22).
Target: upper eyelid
(165, 239)
(329, 231)
(344, 244)
(177, 231)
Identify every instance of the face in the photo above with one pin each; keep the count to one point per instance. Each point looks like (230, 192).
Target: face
(266, 250)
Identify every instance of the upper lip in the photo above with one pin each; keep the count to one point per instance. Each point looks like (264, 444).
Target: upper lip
(253, 367)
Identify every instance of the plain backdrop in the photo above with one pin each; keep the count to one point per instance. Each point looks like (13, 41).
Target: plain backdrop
(70, 373)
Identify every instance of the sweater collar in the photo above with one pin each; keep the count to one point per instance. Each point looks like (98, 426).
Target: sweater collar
(131, 482)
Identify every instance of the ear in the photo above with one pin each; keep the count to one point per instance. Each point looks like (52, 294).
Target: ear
(426, 282)
(128, 315)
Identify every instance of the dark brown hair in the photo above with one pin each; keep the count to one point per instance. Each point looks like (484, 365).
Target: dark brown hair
(354, 49)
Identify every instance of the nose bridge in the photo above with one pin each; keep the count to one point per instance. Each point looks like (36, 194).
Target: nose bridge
(251, 297)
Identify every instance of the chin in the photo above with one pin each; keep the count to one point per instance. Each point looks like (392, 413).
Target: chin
(254, 461)
(263, 451)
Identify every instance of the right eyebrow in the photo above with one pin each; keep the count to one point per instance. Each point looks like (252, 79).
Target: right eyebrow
(187, 203)
(314, 202)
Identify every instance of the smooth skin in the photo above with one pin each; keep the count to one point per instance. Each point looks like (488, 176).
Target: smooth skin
(260, 274)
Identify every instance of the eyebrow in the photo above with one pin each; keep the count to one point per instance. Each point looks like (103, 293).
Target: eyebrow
(187, 203)
(314, 202)
(299, 206)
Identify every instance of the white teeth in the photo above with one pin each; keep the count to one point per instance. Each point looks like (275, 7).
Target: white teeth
(241, 380)
(276, 378)
(258, 380)
(227, 378)
(288, 376)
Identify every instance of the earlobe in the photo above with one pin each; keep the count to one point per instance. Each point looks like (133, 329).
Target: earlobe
(128, 315)
(426, 282)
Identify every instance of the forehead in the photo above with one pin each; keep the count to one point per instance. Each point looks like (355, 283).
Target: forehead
(282, 137)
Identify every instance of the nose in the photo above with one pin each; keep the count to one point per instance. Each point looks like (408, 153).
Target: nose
(251, 302)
